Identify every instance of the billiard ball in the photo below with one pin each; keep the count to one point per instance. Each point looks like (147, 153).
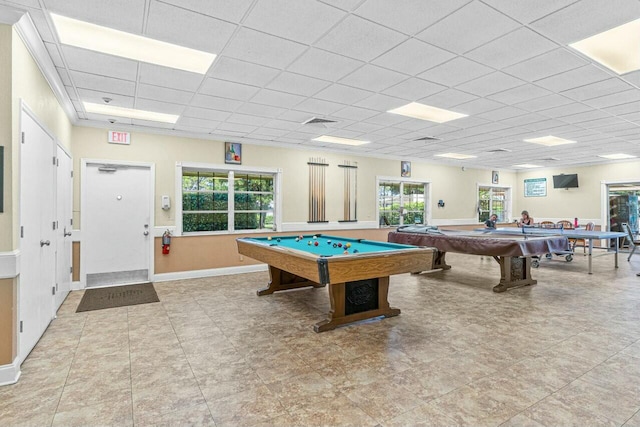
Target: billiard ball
(328, 242)
(301, 237)
(309, 243)
(348, 245)
(335, 245)
(297, 240)
(315, 243)
(277, 240)
(339, 245)
(346, 252)
(355, 251)
(269, 238)
(315, 237)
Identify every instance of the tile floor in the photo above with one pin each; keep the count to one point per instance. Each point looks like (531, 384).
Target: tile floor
(565, 352)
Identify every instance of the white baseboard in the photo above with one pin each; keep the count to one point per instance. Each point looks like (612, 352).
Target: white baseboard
(195, 274)
(77, 286)
(9, 374)
(9, 264)
(326, 226)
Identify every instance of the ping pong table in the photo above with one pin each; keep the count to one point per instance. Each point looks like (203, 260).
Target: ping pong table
(587, 236)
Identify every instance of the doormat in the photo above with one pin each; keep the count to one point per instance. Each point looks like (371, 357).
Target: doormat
(117, 296)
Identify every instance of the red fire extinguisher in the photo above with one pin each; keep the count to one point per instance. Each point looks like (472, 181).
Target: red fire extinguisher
(166, 242)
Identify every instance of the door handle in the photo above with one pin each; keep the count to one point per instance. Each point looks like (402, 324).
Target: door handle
(146, 233)
(67, 234)
(44, 243)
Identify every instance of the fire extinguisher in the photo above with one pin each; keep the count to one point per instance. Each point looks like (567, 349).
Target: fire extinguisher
(166, 242)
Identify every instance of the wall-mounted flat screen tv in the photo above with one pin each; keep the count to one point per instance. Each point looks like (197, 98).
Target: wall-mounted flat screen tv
(565, 181)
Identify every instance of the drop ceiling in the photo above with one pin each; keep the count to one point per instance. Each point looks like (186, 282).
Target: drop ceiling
(504, 63)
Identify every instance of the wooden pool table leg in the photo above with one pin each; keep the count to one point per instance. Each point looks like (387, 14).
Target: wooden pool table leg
(282, 280)
(514, 272)
(337, 316)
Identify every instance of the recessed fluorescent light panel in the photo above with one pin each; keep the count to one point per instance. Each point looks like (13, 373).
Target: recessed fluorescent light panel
(526, 166)
(337, 140)
(118, 43)
(426, 112)
(617, 48)
(618, 156)
(550, 141)
(110, 110)
(456, 156)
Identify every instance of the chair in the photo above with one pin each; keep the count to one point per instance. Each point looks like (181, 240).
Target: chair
(565, 224)
(589, 227)
(633, 242)
(547, 224)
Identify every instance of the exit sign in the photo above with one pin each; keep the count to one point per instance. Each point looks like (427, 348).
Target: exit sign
(119, 137)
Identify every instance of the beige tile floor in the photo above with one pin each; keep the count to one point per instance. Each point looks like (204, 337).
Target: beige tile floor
(565, 352)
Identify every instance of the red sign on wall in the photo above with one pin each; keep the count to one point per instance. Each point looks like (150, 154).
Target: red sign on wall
(116, 137)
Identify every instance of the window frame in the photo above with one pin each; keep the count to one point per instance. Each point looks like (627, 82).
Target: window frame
(231, 171)
(509, 200)
(402, 181)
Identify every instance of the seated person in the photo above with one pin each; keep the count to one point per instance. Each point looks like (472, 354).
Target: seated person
(491, 222)
(525, 220)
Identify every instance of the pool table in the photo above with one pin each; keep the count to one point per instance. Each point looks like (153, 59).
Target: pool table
(358, 280)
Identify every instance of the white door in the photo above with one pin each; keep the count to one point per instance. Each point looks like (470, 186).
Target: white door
(116, 226)
(64, 202)
(37, 242)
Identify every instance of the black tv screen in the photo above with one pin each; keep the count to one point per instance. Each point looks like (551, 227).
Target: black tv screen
(565, 181)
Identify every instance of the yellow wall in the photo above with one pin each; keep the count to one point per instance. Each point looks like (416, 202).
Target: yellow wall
(583, 202)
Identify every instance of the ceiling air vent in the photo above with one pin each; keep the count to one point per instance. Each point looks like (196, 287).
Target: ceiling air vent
(499, 150)
(428, 138)
(315, 121)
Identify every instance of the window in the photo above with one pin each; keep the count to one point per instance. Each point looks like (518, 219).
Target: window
(227, 200)
(494, 200)
(402, 203)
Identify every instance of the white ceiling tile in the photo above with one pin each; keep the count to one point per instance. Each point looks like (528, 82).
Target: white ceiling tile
(206, 114)
(502, 113)
(124, 15)
(169, 77)
(511, 48)
(468, 27)
(276, 98)
(632, 78)
(544, 102)
(342, 94)
(282, 125)
(455, 72)
(253, 46)
(42, 25)
(191, 122)
(260, 110)
(477, 106)
(295, 116)
(586, 18)
(386, 119)
(523, 11)
(408, 16)
(364, 127)
(566, 110)
(519, 94)
(358, 38)
(96, 96)
(413, 57)
(234, 70)
(631, 107)
(318, 107)
(522, 120)
(159, 107)
(100, 64)
(215, 103)
(235, 128)
(354, 113)
(54, 53)
(186, 28)
(632, 117)
(297, 84)
(164, 94)
(413, 89)
(244, 119)
(573, 78)
(585, 116)
(103, 118)
(447, 98)
(225, 89)
(192, 129)
(381, 102)
(64, 76)
(545, 65)
(302, 20)
(373, 78)
(600, 123)
(102, 83)
(489, 84)
(231, 11)
(347, 5)
(324, 65)
(628, 96)
(271, 132)
(594, 90)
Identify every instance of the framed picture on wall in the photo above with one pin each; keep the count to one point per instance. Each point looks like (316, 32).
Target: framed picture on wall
(233, 153)
(495, 177)
(405, 169)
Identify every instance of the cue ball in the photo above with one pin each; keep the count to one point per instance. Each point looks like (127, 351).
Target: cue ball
(339, 245)
(348, 245)
(346, 252)
(355, 251)
(269, 238)
(315, 237)
(315, 243)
